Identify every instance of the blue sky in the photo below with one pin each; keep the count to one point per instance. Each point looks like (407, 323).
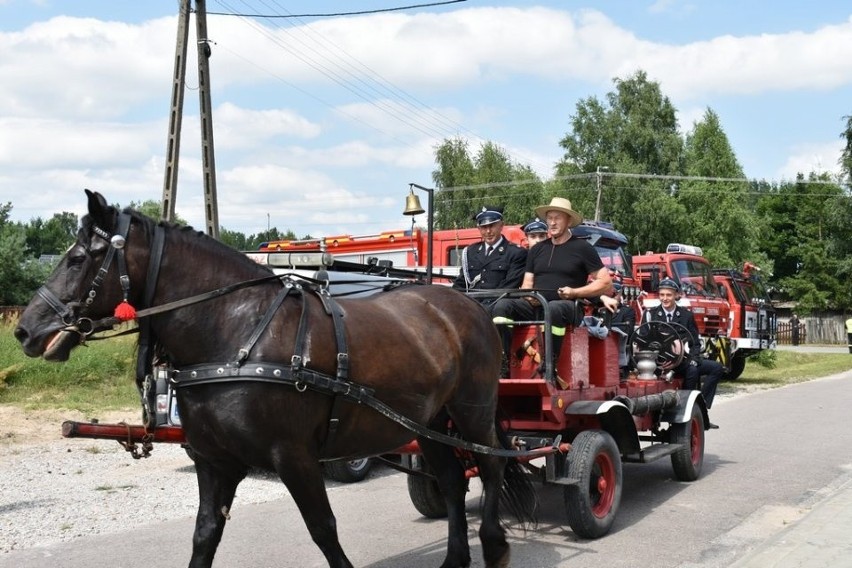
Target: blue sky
(321, 123)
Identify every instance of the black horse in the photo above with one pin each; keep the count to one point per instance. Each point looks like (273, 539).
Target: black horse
(269, 372)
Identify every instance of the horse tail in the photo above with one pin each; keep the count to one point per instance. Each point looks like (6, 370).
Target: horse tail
(518, 495)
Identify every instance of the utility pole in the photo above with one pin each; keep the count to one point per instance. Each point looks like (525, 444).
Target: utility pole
(211, 207)
(599, 177)
(167, 213)
(211, 203)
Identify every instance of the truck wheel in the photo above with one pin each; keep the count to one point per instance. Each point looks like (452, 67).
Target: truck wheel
(424, 492)
(689, 459)
(349, 471)
(737, 368)
(592, 503)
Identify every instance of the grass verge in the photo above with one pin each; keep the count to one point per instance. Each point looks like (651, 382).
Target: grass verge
(97, 376)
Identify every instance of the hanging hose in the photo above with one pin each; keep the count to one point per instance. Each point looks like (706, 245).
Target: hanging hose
(650, 403)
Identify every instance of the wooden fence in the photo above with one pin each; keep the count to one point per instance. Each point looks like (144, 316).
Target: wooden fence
(822, 329)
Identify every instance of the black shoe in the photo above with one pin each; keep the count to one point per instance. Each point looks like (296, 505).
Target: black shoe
(711, 426)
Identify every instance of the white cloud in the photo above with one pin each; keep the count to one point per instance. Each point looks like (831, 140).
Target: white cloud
(747, 65)
(34, 143)
(815, 157)
(77, 67)
(395, 118)
(301, 114)
(464, 47)
(236, 127)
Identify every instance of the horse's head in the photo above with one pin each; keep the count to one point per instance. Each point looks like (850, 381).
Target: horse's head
(90, 281)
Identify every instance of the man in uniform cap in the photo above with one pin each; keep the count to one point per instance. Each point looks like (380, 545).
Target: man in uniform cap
(694, 366)
(535, 231)
(493, 263)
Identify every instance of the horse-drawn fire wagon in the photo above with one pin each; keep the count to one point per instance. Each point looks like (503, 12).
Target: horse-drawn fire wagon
(582, 412)
(253, 368)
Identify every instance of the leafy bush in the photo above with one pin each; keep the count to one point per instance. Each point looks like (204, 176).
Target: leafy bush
(767, 358)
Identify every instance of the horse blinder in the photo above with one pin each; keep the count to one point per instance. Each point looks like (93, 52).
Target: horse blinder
(69, 312)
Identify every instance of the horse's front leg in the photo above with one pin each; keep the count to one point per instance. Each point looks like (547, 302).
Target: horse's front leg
(302, 474)
(216, 489)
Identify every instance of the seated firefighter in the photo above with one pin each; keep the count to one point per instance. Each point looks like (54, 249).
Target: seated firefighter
(694, 367)
(535, 232)
(495, 262)
(560, 269)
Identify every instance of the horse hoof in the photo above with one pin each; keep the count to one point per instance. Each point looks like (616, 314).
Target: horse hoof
(502, 562)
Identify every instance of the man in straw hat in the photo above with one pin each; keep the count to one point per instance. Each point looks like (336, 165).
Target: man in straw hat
(493, 263)
(562, 269)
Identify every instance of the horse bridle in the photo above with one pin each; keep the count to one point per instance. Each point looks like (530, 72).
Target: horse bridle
(68, 312)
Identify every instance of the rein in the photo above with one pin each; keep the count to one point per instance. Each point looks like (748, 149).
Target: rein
(303, 378)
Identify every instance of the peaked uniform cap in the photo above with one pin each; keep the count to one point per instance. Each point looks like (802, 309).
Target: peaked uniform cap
(488, 214)
(563, 205)
(669, 283)
(535, 226)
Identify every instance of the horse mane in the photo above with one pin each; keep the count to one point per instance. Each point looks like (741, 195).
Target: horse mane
(198, 238)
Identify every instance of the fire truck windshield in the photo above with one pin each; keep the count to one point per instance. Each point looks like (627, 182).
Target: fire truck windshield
(753, 291)
(695, 277)
(613, 259)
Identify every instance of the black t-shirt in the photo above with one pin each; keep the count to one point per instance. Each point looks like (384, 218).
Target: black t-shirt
(568, 264)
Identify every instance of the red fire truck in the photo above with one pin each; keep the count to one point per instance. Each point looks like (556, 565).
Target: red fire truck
(753, 323)
(401, 249)
(732, 308)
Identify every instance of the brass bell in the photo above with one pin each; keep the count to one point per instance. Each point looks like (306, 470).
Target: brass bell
(412, 204)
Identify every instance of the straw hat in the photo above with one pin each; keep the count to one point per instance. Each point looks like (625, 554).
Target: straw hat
(563, 205)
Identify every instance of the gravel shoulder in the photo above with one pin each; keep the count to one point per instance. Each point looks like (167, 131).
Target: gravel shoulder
(54, 489)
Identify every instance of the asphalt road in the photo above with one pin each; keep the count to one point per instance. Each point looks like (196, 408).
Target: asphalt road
(777, 453)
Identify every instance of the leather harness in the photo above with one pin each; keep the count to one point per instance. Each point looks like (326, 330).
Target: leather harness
(296, 374)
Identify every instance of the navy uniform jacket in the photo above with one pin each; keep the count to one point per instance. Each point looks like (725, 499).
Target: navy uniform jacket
(682, 316)
(503, 268)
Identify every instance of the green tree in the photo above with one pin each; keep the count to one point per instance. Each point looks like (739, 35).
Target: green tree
(465, 183)
(846, 155)
(455, 169)
(53, 236)
(635, 133)
(234, 239)
(719, 215)
(806, 233)
(273, 234)
(20, 274)
(152, 208)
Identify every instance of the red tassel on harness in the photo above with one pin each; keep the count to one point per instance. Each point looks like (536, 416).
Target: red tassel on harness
(125, 312)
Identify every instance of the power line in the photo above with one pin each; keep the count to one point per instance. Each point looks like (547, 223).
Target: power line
(398, 105)
(333, 14)
(652, 177)
(345, 78)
